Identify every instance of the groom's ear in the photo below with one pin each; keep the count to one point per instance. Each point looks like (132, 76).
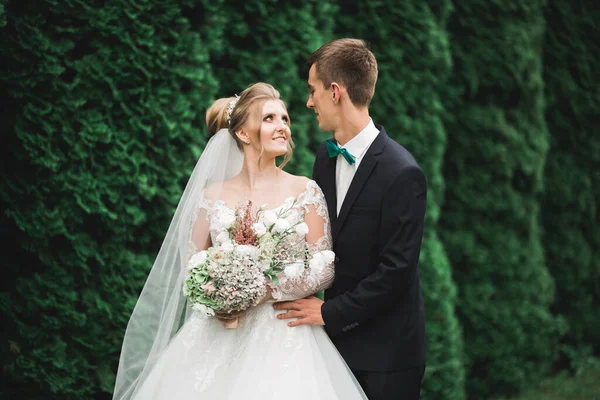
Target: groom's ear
(335, 92)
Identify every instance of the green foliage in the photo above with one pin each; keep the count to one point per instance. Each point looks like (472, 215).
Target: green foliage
(268, 42)
(584, 385)
(497, 145)
(413, 54)
(570, 209)
(101, 115)
(3, 13)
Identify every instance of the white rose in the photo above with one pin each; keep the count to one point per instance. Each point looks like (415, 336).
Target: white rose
(247, 250)
(317, 263)
(254, 253)
(222, 237)
(281, 225)
(226, 220)
(269, 218)
(203, 309)
(302, 229)
(227, 246)
(328, 256)
(259, 228)
(294, 270)
(197, 259)
(242, 250)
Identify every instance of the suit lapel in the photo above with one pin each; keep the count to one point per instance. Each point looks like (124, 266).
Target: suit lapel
(363, 172)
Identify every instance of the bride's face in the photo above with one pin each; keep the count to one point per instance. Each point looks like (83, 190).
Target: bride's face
(275, 129)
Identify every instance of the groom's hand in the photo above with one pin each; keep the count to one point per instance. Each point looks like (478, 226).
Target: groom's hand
(308, 311)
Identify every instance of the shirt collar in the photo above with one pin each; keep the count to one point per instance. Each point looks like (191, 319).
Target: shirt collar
(359, 143)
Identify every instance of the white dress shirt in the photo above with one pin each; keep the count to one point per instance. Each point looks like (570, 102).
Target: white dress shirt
(344, 172)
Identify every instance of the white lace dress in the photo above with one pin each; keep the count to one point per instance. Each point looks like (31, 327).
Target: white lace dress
(263, 358)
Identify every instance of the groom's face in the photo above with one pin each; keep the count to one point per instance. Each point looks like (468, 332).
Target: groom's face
(320, 100)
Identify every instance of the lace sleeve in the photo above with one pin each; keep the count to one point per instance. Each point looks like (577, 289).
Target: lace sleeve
(200, 234)
(313, 206)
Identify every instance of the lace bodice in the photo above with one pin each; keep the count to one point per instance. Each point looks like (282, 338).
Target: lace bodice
(311, 200)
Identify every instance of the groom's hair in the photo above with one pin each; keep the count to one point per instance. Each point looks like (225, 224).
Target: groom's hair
(348, 62)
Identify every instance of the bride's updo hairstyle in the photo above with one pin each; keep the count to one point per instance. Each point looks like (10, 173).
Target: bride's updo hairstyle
(234, 113)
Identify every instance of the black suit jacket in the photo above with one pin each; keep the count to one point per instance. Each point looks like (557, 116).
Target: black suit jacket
(374, 310)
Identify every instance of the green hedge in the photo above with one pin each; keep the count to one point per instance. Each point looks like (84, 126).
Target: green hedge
(103, 125)
(413, 53)
(497, 146)
(103, 115)
(570, 208)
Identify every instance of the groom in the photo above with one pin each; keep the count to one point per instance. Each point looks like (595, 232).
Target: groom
(376, 194)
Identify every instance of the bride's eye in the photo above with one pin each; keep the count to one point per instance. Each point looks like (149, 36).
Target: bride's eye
(268, 117)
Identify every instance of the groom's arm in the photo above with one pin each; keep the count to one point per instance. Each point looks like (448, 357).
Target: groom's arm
(402, 223)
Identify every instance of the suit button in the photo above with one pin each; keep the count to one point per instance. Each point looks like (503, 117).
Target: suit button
(337, 259)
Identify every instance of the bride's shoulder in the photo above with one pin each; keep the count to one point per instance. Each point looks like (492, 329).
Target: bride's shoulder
(217, 191)
(302, 185)
(298, 184)
(211, 192)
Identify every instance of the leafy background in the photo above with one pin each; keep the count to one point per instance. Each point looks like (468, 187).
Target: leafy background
(103, 118)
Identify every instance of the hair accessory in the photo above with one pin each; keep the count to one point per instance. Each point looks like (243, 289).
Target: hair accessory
(232, 104)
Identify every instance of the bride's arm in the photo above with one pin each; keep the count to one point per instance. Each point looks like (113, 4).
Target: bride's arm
(318, 239)
(200, 240)
(200, 233)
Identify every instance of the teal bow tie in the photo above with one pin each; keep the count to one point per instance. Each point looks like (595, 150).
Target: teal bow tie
(333, 150)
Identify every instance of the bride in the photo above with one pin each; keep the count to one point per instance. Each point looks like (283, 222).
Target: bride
(172, 352)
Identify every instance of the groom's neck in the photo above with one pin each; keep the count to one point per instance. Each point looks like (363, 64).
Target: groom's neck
(352, 122)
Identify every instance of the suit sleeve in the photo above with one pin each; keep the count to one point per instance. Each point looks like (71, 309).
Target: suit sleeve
(402, 223)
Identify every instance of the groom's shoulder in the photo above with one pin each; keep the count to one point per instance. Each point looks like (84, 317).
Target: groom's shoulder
(396, 154)
(399, 165)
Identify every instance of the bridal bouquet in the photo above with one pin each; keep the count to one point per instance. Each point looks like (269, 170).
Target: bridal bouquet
(284, 254)
(232, 275)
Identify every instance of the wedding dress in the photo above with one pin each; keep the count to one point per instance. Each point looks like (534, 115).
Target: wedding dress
(262, 358)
